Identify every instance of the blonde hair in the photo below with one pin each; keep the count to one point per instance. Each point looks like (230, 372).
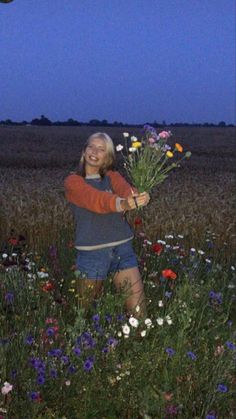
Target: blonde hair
(110, 154)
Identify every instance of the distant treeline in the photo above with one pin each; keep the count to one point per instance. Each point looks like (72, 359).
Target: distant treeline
(44, 121)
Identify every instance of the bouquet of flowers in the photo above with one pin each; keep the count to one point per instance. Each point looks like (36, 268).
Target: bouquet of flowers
(148, 161)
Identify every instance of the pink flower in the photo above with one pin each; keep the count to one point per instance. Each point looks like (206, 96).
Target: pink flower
(164, 134)
(7, 387)
(151, 140)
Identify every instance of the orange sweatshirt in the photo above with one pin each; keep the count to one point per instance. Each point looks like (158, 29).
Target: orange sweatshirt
(83, 195)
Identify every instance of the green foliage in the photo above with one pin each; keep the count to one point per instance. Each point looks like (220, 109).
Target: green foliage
(65, 363)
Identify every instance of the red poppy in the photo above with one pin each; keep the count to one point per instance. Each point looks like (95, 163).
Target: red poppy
(48, 286)
(13, 241)
(157, 248)
(138, 221)
(169, 274)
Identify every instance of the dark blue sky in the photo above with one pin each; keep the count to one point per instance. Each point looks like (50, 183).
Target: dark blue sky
(126, 60)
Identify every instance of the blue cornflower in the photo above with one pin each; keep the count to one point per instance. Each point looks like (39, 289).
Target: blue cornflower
(65, 359)
(29, 340)
(210, 416)
(112, 342)
(98, 328)
(108, 318)
(77, 351)
(33, 395)
(55, 352)
(120, 317)
(212, 294)
(218, 297)
(88, 364)
(9, 297)
(71, 369)
(41, 379)
(50, 331)
(168, 294)
(96, 318)
(53, 373)
(170, 351)
(105, 350)
(37, 364)
(192, 356)
(222, 388)
(230, 345)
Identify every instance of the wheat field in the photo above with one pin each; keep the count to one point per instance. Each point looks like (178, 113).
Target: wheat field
(196, 198)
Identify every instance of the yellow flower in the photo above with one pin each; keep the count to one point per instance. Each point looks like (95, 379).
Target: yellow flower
(136, 144)
(169, 154)
(179, 147)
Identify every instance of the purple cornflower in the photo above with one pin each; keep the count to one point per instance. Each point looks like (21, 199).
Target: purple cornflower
(112, 342)
(71, 369)
(230, 345)
(222, 388)
(9, 297)
(215, 296)
(41, 379)
(50, 331)
(96, 318)
(170, 351)
(168, 294)
(29, 340)
(65, 359)
(212, 294)
(105, 350)
(53, 373)
(38, 365)
(34, 395)
(120, 317)
(108, 318)
(192, 356)
(210, 416)
(88, 365)
(77, 351)
(55, 352)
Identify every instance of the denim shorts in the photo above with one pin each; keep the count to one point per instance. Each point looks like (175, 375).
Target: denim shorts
(97, 264)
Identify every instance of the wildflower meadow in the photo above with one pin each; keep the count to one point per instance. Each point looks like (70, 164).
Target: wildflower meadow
(58, 361)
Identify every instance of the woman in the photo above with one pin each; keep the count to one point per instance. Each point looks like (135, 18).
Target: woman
(99, 197)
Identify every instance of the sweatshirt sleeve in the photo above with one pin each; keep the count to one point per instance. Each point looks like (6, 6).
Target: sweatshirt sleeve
(78, 192)
(119, 185)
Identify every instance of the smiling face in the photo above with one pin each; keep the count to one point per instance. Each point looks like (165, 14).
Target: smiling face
(95, 155)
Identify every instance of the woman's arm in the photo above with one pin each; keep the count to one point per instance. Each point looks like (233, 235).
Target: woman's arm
(120, 186)
(78, 192)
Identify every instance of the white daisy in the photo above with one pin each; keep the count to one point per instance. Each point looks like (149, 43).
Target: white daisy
(119, 147)
(160, 321)
(133, 321)
(126, 329)
(148, 322)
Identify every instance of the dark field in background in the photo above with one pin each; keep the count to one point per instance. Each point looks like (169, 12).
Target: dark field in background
(198, 197)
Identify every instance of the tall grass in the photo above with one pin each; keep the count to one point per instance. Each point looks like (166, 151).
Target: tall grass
(35, 160)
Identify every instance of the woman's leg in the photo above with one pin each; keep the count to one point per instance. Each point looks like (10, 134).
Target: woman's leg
(130, 282)
(88, 290)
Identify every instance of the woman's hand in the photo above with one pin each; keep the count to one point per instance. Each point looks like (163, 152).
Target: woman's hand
(135, 201)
